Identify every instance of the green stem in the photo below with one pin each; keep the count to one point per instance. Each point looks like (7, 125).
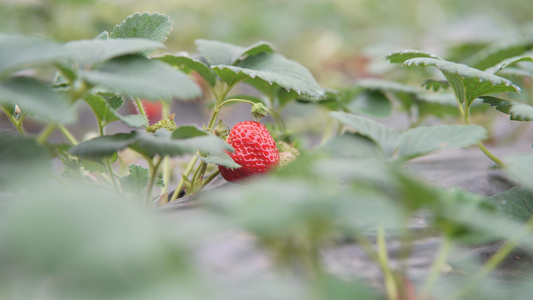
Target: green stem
(45, 133)
(210, 178)
(216, 111)
(214, 118)
(165, 111)
(278, 119)
(491, 156)
(461, 108)
(111, 173)
(439, 262)
(153, 175)
(199, 171)
(68, 135)
(495, 260)
(166, 174)
(140, 106)
(187, 171)
(466, 118)
(390, 282)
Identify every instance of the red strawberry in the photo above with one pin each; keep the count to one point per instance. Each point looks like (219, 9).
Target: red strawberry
(153, 110)
(255, 151)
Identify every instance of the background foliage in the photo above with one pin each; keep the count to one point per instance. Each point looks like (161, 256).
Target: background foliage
(61, 239)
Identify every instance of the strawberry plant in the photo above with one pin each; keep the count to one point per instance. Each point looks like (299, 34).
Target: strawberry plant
(113, 68)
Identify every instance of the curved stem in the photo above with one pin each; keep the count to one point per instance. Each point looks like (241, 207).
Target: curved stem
(233, 100)
(214, 118)
(491, 156)
(461, 108)
(187, 171)
(390, 282)
(68, 135)
(466, 118)
(166, 174)
(45, 133)
(140, 107)
(111, 173)
(199, 172)
(439, 262)
(210, 178)
(278, 119)
(495, 260)
(153, 175)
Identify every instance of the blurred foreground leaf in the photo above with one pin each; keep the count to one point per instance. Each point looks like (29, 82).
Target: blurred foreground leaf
(161, 143)
(22, 162)
(516, 203)
(86, 53)
(416, 141)
(19, 52)
(137, 76)
(37, 98)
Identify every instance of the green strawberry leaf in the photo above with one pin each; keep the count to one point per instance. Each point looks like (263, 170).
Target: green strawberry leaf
(105, 109)
(371, 103)
(93, 166)
(103, 146)
(161, 143)
(519, 166)
(375, 101)
(423, 140)
(437, 104)
(219, 53)
(188, 131)
(518, 111)
(221, 159)
(386, 138)
(468, 83)
(229, 76)
(155, 27)
(495, 53)
(137, 76)
(508, 62)
(516, 72)
(273, 68)
(35, 97)
(86, 53)
(435, 85)
(104, 35)
(102, 110)
(21, 159)
(18, 52)
(136, 180)
(188, 64)
(470, 218)
(387, 86)
(133, 121)
(402, 56)
(516, 203)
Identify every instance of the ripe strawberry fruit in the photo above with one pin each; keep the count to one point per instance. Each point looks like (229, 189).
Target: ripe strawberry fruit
(255, 151)
(153, 110)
